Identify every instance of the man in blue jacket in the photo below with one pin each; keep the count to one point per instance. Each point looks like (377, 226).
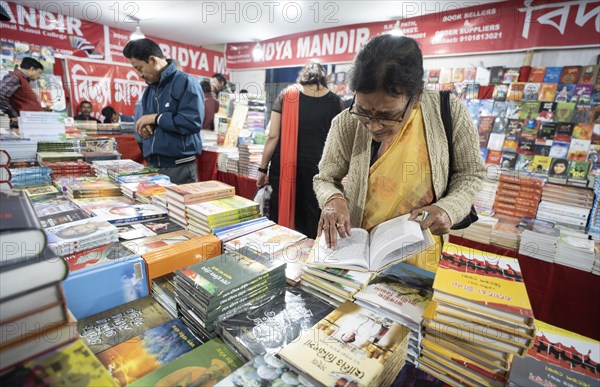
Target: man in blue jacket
(172, 112)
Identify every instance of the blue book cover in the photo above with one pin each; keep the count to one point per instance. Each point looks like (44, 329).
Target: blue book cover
(98, 288)
(484, 153)
(552, 74)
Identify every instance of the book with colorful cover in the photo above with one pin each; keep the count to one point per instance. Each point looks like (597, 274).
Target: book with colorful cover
(515, 91)
(152, 349)
(540, 165)
(582, 131)
(564, 93)
(272, 240)
(557, 357)
(514, 109)
(547, 92)
(63, 217)
(564, 112)
(582, 95)
(42, 193)
(205, 365)
(552, 74)
(133, 213)
(69, 365)
(142, 230)
(570, 74)
(564, 132)
(111, 327)
(69, 238)
(589, 74)
(559, 149)
(500, 92)
(583, 114)
(559, 170)
(96, 256)
(594, 159)
(578, 150)
(214, 210)
(496, 74)
(529, 110)
(578, 172)
(269, 327)
(348, 336)
(482, 281)
(90, 204)
(537, 74)
(531, 91)
(509, 160)
(523, 162)
(122, 281)
(526, 147)
(542, 149)
(500, 109)
(494, 157)
(511, 75)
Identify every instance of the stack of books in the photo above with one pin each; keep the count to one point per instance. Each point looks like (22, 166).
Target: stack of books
(401, 293)
(19, 149)
(145, 187)
(480, 317)
(50, 157)
(267, 328)
(84, 234)
(480, 231)
(566, 205)
(575, 250)
(594, 225)
(368, 349)
(181, 196)
(233, 163)
(225, 286)
(505, 232)
(518, 195)
(62, 169)
(484, 199)
(275, 241)
(41, 192)
(118, 167)
(25, 176)
(539, 239)
(92, 189)
(57, 211)
(203, 218)
(227, 156)
(332, 285)
(559, 356)
(31, 298)
(250, 159)
(163, 292)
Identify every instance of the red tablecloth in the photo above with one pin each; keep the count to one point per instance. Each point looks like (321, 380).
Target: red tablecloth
(559, 295)
(207, 166)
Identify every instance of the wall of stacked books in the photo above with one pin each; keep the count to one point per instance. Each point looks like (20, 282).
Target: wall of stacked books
(112, 275)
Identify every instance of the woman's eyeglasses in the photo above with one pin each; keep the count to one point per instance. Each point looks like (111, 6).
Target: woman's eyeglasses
(366, 119)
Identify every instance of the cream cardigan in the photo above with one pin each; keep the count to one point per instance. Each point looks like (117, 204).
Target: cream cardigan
(348, 149)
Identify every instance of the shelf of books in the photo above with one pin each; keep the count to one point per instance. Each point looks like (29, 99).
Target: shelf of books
(146, 282)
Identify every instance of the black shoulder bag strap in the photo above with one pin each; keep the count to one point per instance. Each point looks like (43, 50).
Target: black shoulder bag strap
(447, 120)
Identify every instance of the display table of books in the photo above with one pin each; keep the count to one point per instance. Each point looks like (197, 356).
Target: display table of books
(207, 170)
(560, 295)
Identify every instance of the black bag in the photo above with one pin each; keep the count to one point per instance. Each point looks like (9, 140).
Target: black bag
(447, 120)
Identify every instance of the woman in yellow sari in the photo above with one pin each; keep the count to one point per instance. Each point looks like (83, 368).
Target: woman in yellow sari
(391, 147)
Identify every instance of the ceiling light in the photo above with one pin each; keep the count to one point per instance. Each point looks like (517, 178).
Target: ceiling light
(258, 53)
(137, 34)
(396, 31)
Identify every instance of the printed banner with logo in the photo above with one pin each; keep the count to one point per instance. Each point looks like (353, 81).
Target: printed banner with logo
(103, 84)
(497, 27)
(48, 27)
(194, 60)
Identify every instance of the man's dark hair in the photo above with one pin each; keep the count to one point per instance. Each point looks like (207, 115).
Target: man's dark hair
(85, 102)
(205, 87)
(30, 63)
(142, 49)
(220, 77)
(313, 74)
(392, 64)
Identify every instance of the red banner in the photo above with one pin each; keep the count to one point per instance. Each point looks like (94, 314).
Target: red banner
(46, 26)
(103, 84)
(194, 60)
(505, 26)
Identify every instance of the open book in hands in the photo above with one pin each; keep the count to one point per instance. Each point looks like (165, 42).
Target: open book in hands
(390, 242)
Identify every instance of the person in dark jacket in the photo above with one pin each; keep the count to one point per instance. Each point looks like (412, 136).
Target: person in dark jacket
(172, 112)
(16, 95)
(85, 112)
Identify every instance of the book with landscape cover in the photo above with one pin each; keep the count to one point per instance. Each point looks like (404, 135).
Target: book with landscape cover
(482, 282)
(21, 234)
(69, 365)
(122, 281)
(269, 327)
(131, 213)
(106, 329)
(401, 292)
(203, 366)
(351, 344)
(389, 242)
(149, 351)
(558, 357)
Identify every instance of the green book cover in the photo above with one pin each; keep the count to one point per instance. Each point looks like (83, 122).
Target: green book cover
(203, 366)
(114, 326)
(220, 276)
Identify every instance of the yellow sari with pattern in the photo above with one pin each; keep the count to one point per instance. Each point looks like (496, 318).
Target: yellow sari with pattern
(400, 181)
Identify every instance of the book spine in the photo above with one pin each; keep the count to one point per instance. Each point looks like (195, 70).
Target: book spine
(136, 219)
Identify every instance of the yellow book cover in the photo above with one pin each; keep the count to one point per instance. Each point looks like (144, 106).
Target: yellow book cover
(351, 344)
(71, 365)
(484, 280)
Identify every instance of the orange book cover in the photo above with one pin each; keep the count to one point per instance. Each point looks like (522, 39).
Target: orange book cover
(167, 259)
(547, 92)
(537, 74)
(203, 190)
